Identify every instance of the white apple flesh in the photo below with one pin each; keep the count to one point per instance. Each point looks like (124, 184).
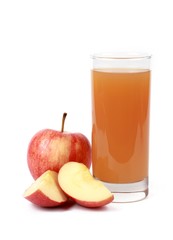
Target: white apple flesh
(45, 191)
(77, 182)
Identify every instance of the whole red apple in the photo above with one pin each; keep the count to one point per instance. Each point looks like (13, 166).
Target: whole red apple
(51, 149)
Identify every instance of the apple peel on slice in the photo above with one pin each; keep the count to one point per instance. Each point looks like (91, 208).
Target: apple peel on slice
(77, 182)
(45, 191)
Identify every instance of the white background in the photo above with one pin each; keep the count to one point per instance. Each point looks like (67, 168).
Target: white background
(45, 49)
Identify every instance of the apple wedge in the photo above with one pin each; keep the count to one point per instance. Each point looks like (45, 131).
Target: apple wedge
(77, 182)
(45, 191)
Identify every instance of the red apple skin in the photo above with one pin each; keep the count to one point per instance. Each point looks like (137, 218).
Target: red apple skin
(38, 198)
(51, 149)
(94, 204)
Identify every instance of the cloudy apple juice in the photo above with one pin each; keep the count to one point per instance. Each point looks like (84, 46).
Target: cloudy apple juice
(120, 124)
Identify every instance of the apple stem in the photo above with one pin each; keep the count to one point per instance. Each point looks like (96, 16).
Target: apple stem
(63, 121)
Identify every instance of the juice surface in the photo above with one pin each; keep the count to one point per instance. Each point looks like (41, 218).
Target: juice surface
(120, 117)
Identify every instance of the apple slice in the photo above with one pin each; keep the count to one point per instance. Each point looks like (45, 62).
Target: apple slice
(77, 182)
(45, 191)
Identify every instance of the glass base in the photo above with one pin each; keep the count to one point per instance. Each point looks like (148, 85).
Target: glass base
(128, 192)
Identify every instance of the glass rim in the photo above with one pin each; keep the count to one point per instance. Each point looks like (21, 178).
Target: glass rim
(121, 56)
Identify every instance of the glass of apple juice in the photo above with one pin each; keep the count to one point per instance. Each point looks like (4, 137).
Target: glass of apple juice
(120, 123)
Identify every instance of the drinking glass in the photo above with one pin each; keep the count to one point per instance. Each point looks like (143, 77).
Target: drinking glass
(120, 123)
